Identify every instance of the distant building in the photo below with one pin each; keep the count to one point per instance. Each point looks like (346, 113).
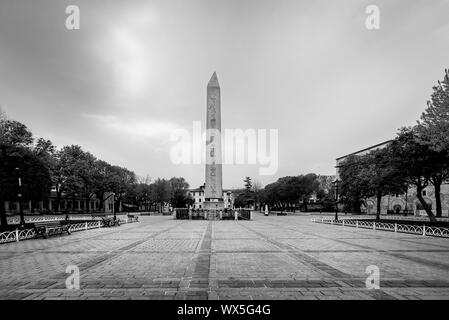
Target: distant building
(198, 197)
(401, 202)
(66, 204)
(360, 153)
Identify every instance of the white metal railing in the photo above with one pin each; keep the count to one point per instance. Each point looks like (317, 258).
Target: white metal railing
(28, 219)
(385, 216)
(130, 220)
(8, 236)
(394, 227)
(19, 235)
(85, 226)
(16, 220)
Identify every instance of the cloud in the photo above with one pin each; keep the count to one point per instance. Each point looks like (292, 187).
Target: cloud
(135, 128)
(122, 46)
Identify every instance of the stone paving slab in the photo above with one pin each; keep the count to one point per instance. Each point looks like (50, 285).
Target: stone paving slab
(236, 245)
(269, 258)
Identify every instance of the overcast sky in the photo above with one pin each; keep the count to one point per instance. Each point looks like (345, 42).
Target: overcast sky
(137, 70)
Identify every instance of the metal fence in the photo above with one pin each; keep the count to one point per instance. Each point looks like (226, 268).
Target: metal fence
(182, 213)
(71, 217)
(244, 214)
(392, 227)
(24, 234)
(199, 214)
(227, 214)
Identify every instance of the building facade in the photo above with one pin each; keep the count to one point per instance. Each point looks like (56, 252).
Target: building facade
(198, 196)
(66, 204)
(409, 202)
(401, 203)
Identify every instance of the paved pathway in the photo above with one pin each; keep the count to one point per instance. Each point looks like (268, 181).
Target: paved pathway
(269, 258)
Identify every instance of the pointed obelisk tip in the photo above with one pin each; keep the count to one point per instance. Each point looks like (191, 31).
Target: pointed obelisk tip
(213, 82)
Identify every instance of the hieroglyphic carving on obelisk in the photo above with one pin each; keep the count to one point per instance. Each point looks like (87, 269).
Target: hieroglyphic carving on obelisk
(213, 188)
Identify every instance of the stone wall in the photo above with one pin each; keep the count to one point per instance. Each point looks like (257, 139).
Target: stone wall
(392, 202)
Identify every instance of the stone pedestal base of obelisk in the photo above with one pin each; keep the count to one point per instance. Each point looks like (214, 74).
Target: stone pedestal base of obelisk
(213, 205)
(213, 208)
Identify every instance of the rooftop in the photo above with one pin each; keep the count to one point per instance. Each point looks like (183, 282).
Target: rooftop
(366, 149)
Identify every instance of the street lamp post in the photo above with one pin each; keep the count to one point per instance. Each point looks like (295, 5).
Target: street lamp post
(113, 206)
(20, 196)
(336, 182)
(406, 201)
(16, 158)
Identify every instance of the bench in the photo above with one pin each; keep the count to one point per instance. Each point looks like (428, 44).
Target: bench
(48, 228)
(133, 217)
(110, 222)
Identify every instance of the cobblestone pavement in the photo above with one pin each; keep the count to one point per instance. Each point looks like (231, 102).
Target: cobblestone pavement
(285, 257)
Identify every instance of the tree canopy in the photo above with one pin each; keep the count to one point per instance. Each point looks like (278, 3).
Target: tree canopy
(73, 172)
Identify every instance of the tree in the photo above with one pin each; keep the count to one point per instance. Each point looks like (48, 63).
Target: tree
(380, 177)
(352, 187)
(244, 197)
(3, 119)
(15, 138)
(433, 126)
(142, 192)
(73, 172)
(178, 192)
(413, 158)
(160, 191)
(271, 194)
(35, 176)
(122, 182)
(14, 133)
(44, 148)
(103, 179)
(248, 183)
(307, 185)
(433, 131)
(326, 193)
(427, 162)
(326, 183)
(46, 151)
(289, 192)
(87, 175)
(257, 190)
(325, 198)
(438, 175)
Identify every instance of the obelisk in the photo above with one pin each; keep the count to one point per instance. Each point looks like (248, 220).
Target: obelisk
(214, 183)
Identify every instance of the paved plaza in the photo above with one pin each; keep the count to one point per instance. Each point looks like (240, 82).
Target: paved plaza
(268, 258)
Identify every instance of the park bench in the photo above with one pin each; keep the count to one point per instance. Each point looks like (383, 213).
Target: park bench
(110, 222)
(133, 217)
(48, 228)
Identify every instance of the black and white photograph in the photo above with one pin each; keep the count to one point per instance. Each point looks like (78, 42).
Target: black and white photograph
(224, 155)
